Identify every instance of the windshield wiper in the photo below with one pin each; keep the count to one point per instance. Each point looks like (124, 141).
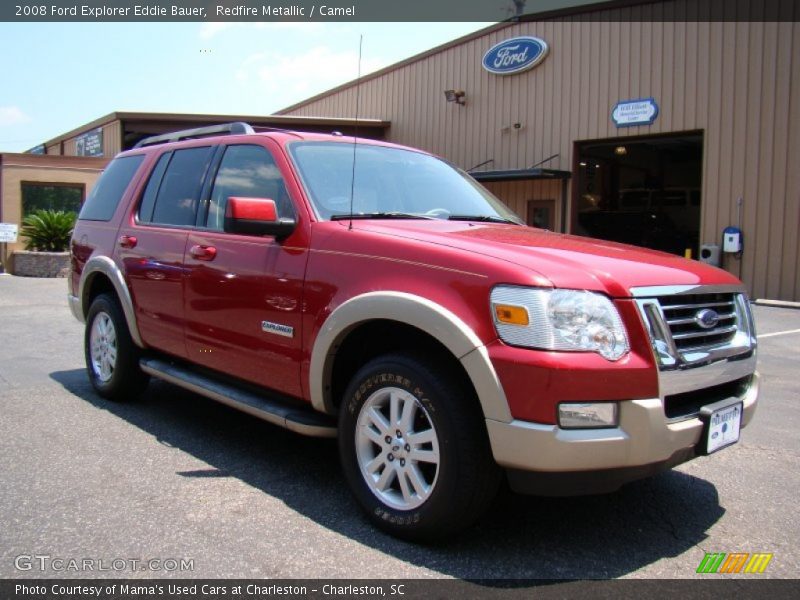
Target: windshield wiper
(380, 215)
(483, 218)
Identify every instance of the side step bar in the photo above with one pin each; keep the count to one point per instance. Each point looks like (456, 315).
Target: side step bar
(303, 421)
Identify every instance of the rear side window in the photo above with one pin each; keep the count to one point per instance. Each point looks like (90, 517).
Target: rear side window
(151, 191)
(248, 171)
(173, 192)
(107, 192)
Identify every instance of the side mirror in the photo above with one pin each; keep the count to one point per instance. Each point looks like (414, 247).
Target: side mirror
(256, 216)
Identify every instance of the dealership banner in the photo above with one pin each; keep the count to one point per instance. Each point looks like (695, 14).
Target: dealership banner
(386, 10)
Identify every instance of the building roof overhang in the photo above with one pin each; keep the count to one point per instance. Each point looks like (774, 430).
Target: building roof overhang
(277, 121)
(520, 174)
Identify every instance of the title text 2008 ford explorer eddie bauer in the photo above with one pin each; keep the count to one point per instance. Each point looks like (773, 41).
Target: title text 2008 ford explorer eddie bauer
(399, 306)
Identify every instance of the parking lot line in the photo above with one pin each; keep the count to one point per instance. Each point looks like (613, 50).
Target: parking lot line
(766, 335)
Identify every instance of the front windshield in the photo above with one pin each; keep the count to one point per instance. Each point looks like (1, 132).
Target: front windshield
(390, 181)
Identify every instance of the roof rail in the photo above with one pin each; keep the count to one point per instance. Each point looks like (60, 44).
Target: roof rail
(187, 134)
(258, 128)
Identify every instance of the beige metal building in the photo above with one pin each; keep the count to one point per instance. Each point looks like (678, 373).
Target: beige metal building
(720, 151)
(644, 121)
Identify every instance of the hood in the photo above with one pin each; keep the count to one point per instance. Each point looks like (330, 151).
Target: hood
(567, 261)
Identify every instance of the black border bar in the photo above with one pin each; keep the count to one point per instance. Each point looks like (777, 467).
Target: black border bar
(105, 11)
(712, 587)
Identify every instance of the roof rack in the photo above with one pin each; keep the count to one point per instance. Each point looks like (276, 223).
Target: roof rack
(187, 134)
(258, 128)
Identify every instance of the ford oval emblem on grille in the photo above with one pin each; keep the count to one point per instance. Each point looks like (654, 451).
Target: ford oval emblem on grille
(706, 318)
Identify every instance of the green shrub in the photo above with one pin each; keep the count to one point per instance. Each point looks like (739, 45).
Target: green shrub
(48, 230)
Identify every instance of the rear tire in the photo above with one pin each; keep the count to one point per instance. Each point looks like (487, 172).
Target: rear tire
(112, 359)
(414, 449)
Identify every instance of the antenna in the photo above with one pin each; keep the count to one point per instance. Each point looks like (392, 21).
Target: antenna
(355, 131)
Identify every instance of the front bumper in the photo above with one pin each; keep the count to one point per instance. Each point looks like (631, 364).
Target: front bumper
(645, 440)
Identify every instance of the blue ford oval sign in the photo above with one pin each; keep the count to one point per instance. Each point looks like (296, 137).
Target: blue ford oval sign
(515, 55)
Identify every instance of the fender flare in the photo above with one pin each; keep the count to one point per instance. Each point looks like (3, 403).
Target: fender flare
(419, 312)
(104, 265)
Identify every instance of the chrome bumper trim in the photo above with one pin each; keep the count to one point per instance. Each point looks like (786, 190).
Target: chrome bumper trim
(698, 378)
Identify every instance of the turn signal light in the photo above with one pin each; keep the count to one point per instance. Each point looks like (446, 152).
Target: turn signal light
(511, 315)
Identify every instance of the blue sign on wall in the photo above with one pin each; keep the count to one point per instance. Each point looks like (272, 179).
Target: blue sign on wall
(628, 113)
(515, 55)
(90, 143)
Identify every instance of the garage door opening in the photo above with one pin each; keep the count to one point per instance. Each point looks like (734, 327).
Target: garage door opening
(643, 191)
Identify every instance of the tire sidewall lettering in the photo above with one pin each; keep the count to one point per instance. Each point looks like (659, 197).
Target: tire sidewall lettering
(363, 391)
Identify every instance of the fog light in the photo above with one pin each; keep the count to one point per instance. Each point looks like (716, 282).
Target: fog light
(587, 415)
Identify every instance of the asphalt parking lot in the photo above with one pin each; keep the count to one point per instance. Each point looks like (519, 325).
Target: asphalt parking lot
(175, 476)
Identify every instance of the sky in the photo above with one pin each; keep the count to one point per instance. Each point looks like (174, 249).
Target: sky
(59, 76)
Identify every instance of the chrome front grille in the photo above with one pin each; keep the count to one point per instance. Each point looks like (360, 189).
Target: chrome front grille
(690, 326)
(688, 330)
(702, 357)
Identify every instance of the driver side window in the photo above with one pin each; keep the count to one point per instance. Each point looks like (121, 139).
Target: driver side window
(251, 172)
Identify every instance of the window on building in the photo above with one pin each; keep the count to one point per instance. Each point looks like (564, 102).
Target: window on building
(541, 214)
(51, 196)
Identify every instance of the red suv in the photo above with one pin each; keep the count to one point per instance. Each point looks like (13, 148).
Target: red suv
(358, 289)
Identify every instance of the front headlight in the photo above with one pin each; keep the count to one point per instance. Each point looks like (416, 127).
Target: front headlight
(571, 320)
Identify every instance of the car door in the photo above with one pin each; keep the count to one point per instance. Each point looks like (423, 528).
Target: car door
(153, 241)
(243, 295)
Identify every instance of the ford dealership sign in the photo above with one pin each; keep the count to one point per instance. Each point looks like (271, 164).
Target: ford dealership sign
(515, 55)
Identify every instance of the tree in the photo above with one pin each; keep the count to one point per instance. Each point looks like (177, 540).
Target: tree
(48, 230)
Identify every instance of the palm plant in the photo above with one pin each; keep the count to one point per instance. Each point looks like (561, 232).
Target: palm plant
(48, 230)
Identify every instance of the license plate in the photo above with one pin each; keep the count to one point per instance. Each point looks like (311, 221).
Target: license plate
(723, 427)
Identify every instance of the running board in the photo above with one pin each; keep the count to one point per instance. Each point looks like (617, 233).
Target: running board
(303, 421)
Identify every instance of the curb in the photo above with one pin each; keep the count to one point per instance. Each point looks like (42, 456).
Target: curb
(777, 303)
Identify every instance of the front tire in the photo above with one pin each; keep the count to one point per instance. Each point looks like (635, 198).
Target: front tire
(414, 449)
(112, 359)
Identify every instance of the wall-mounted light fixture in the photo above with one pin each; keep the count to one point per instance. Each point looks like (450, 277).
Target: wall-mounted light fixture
(456, 96)
(620, 150)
